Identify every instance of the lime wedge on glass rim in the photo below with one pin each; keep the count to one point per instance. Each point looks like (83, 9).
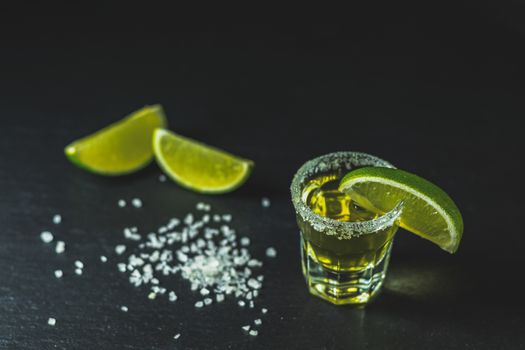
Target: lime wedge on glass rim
(428, 211)
(197, 166)
(120, 148)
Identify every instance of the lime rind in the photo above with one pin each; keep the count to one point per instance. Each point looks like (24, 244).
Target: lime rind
(197, 147)
(408, 185)
(74, 151)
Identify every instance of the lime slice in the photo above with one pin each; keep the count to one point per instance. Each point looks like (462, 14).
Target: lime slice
(197, 166)
(120, 148)
(428, 211)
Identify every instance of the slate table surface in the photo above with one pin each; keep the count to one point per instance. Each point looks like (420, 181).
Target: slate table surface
(438, 92)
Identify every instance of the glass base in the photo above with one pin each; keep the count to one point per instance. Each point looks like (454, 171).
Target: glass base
(343, 287)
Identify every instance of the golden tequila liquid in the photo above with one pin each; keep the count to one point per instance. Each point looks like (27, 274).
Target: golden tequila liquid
(346, 270)
(321, 194)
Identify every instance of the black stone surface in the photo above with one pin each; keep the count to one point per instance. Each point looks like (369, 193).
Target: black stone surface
(435, 89)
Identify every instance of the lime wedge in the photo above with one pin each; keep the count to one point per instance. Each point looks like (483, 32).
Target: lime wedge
(120, 148)
(197, 166)
(428, 211)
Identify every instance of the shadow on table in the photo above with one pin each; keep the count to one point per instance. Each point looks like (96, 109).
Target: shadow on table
(469, 295)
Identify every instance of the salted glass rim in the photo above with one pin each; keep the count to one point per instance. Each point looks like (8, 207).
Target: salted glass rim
(335, 161)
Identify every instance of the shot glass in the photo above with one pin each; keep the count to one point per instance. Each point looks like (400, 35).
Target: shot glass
(345, 249)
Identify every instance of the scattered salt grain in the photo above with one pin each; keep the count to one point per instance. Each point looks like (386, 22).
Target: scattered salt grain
(254, 332)
(124, 308)
(136, 202)
(46, 237)
(152, 296)
(257, 322)
(219, 298)
(271, 252)
(241, 303)
(51, 321)
(264, 310)
(199, 304)
(121, 203)
(121, 267)
(253, 283)
(188, 220)
(207, 301)
(120, 249)
(78, 271)
(162, 178)
(58, 273)
(103, 258)
(79, 264)
(200, 206)
(265, 202)
(245, 241)
(227, 217)
(131, 233)
(57, 219)
(60, 247)
(252, 304)
(172, 296)
(204, 291)
(246, 328)
(176, 336)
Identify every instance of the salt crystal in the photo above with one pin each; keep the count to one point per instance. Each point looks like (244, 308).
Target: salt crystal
(162, 178)
(60, 247)
(257, 322)
(241, 303)
(205, 291)
(121, 267)
(199, 304)
(188, 220)
(46, 237)
(124, 308)
(264, 310)
(172, 296)
(207, 301)
(57, 219)
(103, 258)
(227, 217)
(271, 252)
(253, 333)
(78, 271)
(121, 203)
(79, 264)
(182, 257)
(246, 328)
(58, 273)
(245, 241)
(152, 296)
(51, 321)
(253, 283)
(265, 202)
(176, 336)
(119, 249)
(219, 298)
(136, 202)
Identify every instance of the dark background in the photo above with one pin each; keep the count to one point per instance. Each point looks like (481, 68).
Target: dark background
(436, 89)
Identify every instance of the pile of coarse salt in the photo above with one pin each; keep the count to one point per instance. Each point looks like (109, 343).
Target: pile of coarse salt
(202, 249)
